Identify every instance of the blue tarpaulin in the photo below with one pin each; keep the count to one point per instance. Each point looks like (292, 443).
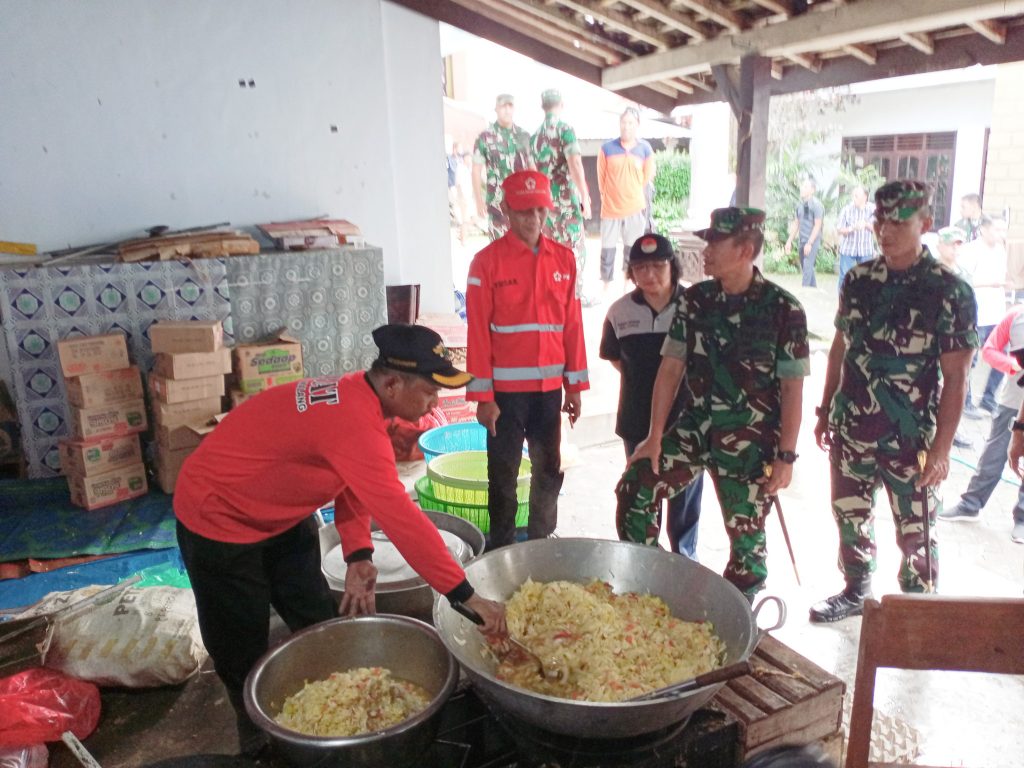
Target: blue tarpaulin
(37, 520)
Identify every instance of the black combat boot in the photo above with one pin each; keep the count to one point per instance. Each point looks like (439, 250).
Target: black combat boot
(849, 602)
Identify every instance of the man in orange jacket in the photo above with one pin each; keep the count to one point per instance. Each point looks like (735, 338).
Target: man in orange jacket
(525, 346)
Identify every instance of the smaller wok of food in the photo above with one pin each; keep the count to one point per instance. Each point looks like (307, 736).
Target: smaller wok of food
(358, 701)
(612, 647)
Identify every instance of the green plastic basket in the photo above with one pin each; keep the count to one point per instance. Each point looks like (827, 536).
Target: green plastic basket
(461, 478)
(477, 514)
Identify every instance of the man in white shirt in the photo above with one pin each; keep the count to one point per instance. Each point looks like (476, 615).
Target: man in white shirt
(985, 260)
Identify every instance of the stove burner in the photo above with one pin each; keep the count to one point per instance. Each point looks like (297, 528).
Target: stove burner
(472, 736)
(556, 749)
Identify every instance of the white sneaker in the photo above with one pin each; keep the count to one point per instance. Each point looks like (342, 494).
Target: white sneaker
(1017, 534)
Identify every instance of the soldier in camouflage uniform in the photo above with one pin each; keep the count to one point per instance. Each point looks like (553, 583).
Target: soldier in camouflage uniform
(501, 150)
(740, 341)
(558, 155)
(903, 320)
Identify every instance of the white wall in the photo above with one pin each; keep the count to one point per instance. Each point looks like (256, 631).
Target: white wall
(122, 114)
(962, 107)
(412, 63)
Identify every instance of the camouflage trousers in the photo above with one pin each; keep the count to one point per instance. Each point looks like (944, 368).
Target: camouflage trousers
(497, 222)
(565, 226)
(640, 492)
(857, 470)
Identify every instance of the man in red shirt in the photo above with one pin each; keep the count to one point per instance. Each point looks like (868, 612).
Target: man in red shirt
(525, 346)
(244, 502)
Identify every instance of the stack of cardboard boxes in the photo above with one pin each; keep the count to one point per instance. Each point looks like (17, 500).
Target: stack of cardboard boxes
(103, 460)
(261, 366)
(186, 385)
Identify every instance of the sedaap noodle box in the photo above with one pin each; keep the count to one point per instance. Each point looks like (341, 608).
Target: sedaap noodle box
(261, 366)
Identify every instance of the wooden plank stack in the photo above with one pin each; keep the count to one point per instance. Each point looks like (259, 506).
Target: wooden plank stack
(786, 700)
(198, 245)
(311, 234)
(186, 384)
(103, 460)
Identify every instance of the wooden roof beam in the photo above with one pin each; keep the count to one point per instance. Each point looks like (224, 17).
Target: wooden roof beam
(991, 30)
(860, 22)
(620, 21)
(697, 82)
(521, 41)
(950, 53)
(665, 89)
(778, 7)
(717, 12)
(866, 53)
(661, 12)
(807, 61)
(563, 41)
(552, 16)
(680, 86)
(922, 41)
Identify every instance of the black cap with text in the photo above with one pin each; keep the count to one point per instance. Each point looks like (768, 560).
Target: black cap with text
(420, 351)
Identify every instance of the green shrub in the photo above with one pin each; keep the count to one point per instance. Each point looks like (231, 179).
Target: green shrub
(672, 179)
(671, 190)
(668, 215)
(778, 263)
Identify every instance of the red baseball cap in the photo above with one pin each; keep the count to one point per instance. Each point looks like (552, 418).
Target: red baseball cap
(527, 189)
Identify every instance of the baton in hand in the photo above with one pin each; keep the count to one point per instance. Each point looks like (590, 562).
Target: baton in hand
(922, 462)
(769, 502)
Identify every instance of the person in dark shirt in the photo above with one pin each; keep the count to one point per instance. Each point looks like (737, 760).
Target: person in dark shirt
(634, 330)
(807, 223)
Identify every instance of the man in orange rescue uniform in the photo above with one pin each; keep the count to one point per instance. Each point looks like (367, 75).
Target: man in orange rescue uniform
(525, 346)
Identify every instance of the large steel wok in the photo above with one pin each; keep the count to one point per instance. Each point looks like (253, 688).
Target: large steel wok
(691, 591)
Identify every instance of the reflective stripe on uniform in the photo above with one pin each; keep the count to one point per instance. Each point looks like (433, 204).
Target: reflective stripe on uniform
(528, 374)
(577, 377)
(473, 281)
(541, 327)
(480, 385)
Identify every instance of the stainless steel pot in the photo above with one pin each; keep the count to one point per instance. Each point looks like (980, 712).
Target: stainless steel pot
(691, 591)
(407, 647)
(412, 597)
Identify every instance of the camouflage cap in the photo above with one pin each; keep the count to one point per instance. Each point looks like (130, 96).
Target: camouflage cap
(504, 98)
(952, 235)
(550, 98)
(899, 200)
(726, 222)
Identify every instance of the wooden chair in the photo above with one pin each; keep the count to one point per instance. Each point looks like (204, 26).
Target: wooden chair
(927, 632)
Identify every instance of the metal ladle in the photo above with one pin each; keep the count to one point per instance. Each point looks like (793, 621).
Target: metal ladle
(676, 690)
(551, 670)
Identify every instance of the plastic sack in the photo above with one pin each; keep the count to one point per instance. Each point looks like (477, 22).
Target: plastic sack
(405, 435)
(141, 639)
(39, 704)
(36, 756)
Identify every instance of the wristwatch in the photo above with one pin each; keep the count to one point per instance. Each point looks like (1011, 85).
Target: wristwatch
(1017, 426)
(787, 457)
(821, 412)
